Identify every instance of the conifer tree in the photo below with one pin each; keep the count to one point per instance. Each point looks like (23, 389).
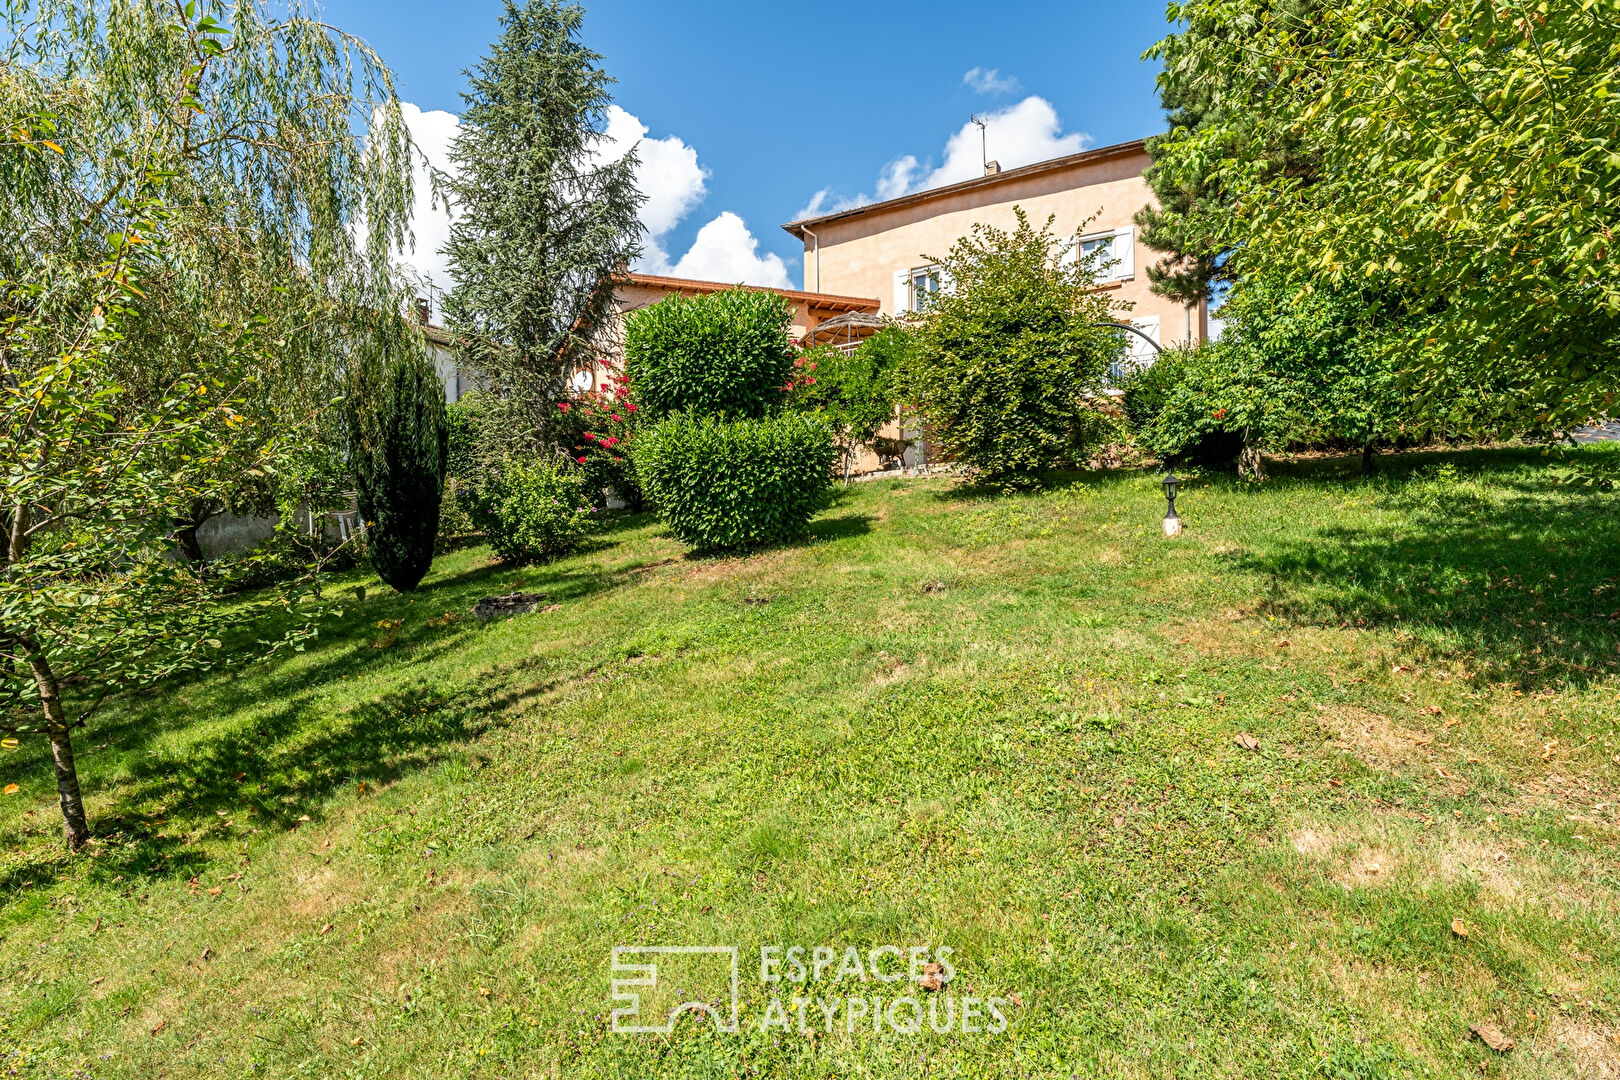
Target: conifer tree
(543, 215)
(398, 449)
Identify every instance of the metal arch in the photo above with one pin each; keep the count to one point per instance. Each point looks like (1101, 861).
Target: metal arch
(1134, 330)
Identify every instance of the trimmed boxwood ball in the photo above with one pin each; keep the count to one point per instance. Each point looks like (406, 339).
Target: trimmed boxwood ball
(722, 484)
(724, 354)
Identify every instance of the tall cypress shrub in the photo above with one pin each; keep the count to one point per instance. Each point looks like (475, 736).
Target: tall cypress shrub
(398, 449)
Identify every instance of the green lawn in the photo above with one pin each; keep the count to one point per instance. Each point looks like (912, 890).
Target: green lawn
(1005, 725)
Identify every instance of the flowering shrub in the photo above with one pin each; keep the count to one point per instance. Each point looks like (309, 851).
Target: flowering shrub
(533, 512)
(602, 424)
(723, 484)
(854, 393)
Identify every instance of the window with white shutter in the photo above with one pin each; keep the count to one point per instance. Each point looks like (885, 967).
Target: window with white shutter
(1116, 251)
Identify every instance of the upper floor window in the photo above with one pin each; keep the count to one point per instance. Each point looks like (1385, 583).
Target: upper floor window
(924, 287)
(1115, 252)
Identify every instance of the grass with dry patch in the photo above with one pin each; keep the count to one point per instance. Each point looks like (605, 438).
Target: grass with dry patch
(1000, 724)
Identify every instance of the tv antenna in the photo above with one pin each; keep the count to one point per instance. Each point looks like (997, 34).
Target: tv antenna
(984, 146)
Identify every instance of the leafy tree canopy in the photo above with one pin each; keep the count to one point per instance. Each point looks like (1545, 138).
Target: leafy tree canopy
(1007, 352)
(180, 195)
(1460, 155)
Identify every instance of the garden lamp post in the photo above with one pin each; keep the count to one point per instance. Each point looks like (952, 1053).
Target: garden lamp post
(1172, 523)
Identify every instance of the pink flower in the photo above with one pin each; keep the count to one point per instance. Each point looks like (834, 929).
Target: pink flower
(618, 419)
(563, 405)
(809, 382)
(590, 436)
(629, 408)
(610, 442)
(582, 461)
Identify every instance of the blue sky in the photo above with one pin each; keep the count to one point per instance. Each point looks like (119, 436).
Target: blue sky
(756, 111)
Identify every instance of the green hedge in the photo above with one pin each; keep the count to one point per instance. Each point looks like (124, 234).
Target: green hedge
(726, 353)
(722, 484)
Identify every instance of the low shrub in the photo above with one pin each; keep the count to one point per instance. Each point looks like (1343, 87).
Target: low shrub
(722, 484)
(726, 353)
(1171, 406)
(532, 512)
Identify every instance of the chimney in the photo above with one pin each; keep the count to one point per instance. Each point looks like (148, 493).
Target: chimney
(992, 168)
(424, 311)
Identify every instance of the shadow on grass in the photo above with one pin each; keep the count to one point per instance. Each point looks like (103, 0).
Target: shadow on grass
(265, 772)
(1515, 576)
(841, 528)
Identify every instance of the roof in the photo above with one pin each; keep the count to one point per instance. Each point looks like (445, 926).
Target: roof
(1084, 157)
(438, 335)
(825, 301)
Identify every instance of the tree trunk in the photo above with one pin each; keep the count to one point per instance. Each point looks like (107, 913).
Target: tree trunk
(75, 830)
(1367, 456)
(185, 534)
(1251, 466)
(17, 543)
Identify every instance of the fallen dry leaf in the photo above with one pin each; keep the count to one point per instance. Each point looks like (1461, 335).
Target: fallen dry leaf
(1247, 741)
(1492, 1036)
(327, 928)
(206, 953)
(483, 991)
(159, 1027)
(1435, 710)
(1459, 929)
(1015, 999)
(98, 980)
(933, 977)
(12, 789)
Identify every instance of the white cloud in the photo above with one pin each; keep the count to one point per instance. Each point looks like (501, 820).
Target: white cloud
(989, 81)
(433, 132)
(897, 177)
(825, 202)
(725, 250)
(667, 173)
(1020, 134)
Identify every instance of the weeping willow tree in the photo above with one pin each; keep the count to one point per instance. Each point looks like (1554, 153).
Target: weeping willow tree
(195, 238)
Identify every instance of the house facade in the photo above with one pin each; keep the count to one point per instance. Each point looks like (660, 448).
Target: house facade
(888, 249)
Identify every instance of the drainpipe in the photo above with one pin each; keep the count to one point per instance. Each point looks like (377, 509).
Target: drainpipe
(817, 240)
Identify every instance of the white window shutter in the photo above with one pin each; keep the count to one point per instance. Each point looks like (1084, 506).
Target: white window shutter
(946, 282)
(1141, 353)
(1071, 254)
(902, 292)
(1125, 253)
